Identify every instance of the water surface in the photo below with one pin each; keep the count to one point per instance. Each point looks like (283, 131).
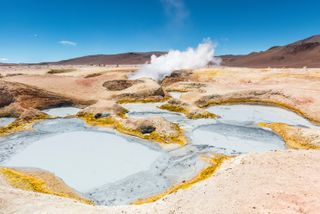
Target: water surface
(62, 111)
(235, 139)
(252, 114)
(113, 169)
(145, 110)
(4, 121)
(86, 159)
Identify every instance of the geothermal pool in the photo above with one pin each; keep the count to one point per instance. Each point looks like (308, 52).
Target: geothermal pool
(252, 114)
(237, 139)
(234, 133)
(113, 169)
(86, 159)
(6, 121)
(62, 111)
(144, 110)
(108, 167)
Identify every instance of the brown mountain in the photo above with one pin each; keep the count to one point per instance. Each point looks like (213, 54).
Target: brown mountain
(121, 59)
(298, 54)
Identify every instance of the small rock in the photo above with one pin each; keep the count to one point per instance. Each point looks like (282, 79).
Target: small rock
(101, 115)
(147, 129)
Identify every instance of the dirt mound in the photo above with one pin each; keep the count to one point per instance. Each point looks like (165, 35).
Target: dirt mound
(119, 85)
(16, 99)
(176, 76)
(5, 97)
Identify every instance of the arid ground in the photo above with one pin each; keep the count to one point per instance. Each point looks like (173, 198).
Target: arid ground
(271, 181)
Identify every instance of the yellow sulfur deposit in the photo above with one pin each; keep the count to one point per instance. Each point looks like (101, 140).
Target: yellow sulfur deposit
(184, 110)
(214, 163)
(294, 137)
(25, 181)
(142, 100)
(120, 126)
(20, 125)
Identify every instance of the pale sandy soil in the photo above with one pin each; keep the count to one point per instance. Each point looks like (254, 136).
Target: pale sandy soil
(272, 182)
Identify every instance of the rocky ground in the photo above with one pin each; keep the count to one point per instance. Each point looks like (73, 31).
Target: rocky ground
(271, 182)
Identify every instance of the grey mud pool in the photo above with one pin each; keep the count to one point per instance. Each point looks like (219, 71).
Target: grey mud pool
(111, 168)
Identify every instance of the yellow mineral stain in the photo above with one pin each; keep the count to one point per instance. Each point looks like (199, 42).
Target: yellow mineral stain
(27, 182)
(214, 163)
(112, 122)
(187, 113)
(155, 136)
(174, 108)
(143, 100)
(21, 125)
(207, 74)
(180, 90)
(291, 135)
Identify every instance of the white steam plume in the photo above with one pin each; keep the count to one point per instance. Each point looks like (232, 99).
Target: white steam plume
(164, 65)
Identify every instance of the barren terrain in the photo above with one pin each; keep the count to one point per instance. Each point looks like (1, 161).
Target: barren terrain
(285, 181)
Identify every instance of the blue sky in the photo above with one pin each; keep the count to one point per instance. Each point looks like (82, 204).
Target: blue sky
(40, 30)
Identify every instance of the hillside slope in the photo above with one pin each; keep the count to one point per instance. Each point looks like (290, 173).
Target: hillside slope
(298, 54)
(114, 59)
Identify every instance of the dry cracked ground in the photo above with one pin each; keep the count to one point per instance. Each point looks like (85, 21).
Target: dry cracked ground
(269, 182)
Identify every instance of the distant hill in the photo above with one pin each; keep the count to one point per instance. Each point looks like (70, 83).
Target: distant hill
(298, 54)
(302, 53)
(7, 64)
(114, 59)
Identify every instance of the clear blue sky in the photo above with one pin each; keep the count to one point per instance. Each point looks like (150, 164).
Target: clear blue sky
(43, 30)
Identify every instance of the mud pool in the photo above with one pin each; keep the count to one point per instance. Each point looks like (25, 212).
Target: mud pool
(107, 167)
(237, 139)
(62, 111)
(6, 121)
(252, 114)
(230, 134)
(87, 159)
(112, 168)
(144, 110)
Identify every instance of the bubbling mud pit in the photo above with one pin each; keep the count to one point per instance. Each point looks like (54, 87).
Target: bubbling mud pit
(229, 134)
(107, 167)
(87, 158)
(62, 111)
(236, 131)
(113, 169)
(6, 121)
(253, 114)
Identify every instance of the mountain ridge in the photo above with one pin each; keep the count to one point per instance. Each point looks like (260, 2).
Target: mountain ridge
(305, 52)
(302, 53)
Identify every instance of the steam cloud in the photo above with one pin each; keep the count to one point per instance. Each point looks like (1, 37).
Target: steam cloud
(164, 65)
